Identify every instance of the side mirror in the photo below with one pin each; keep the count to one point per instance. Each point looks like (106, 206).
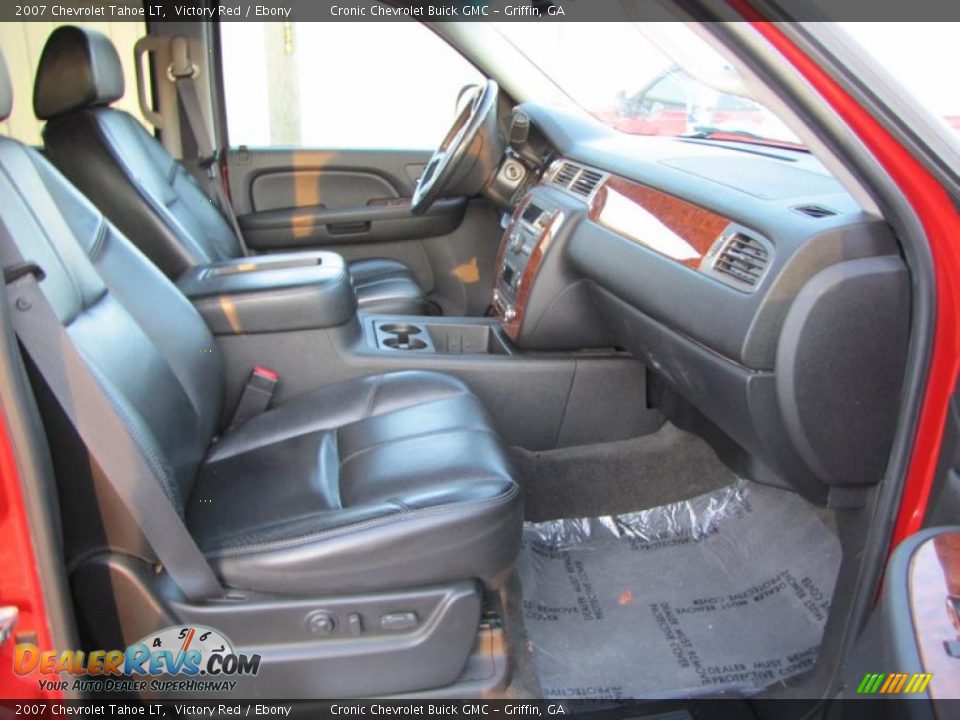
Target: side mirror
(622, 109)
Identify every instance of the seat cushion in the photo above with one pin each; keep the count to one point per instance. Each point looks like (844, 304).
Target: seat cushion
(382, 482)
(387, 286)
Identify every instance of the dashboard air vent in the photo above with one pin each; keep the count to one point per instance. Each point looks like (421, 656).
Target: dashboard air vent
(743, 258)
(565, 175)
(814, 211)
(586, 182)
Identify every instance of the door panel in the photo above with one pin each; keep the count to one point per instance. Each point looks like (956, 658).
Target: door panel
(911, 645)
(321, 188)
(356, 203)
(267, 178)
(921, 618)
(313, 226)
(944, 504)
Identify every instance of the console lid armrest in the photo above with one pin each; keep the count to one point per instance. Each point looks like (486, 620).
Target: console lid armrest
(272, 293)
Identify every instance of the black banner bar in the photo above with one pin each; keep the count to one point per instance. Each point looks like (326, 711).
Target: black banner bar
(468, 10)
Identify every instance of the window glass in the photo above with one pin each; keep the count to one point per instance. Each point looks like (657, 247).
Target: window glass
(620, 73)
(340, 84)
(922, 57)
(22, 43)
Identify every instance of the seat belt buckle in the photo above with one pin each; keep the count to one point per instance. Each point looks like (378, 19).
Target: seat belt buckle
(256, 396)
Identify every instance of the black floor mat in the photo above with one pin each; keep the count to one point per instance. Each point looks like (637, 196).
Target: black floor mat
(618, 477)
(724, 594)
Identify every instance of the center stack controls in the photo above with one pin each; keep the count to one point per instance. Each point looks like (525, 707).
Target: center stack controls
(523, 237)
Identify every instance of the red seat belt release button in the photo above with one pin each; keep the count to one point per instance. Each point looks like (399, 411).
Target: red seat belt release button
(266, 373)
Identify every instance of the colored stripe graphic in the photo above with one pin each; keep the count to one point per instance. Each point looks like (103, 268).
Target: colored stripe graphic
(914, 681)
(894, 684)
(864, 684)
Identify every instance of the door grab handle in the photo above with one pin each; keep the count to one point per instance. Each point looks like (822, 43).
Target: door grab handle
(351, 228)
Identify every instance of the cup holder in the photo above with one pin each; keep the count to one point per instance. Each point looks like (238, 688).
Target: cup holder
(403, 336)
(404, 342)
(401, 329)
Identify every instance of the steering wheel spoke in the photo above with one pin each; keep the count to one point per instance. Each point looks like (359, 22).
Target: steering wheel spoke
(453, 153)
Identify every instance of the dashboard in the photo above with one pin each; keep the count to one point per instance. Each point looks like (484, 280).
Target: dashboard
(745, 278)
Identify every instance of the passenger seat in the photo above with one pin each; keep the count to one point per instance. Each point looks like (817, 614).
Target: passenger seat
(382, 484)
(136, 183)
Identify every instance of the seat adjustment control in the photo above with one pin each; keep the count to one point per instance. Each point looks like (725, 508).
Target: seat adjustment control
(395, 622)
(321, 623)
(355, 624)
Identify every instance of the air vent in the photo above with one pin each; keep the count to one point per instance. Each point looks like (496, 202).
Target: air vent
(565, 175)
(814, 211)
(743, 258)
(586, 182)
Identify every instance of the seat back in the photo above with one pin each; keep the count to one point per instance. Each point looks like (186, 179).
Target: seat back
(116, 163)
(151, 351)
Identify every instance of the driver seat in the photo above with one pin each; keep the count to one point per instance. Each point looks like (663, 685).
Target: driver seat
(141, 188)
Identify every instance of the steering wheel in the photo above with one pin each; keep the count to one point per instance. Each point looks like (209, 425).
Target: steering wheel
(453, 158)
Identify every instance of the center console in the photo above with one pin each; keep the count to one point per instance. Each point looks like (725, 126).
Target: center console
(522, 250)
(272, 293)
(540, 300)
(445, 336)
(296, 314)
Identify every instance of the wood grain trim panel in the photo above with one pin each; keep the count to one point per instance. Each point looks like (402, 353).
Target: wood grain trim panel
(933, 575)
(672, 227)
(512, 327)
(505, 239)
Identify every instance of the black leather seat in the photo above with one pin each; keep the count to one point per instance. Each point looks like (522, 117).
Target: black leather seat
(131, 177)
(384, 482)
(388, 481)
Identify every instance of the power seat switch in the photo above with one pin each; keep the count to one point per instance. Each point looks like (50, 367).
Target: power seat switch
(397, 622)
(355, 624)
(321, 623)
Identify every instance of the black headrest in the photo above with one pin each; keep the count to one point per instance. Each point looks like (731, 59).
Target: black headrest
(6, 91)
(79, 68)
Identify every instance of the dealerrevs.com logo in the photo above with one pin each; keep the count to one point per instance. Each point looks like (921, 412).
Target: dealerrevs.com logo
(189, 658)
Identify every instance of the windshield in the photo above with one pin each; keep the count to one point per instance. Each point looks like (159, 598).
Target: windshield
(918, 60)
(618, 73)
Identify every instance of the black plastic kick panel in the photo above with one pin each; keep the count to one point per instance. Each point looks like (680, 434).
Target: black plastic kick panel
(338, 646)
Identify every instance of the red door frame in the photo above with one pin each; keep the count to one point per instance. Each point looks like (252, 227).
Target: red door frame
(19, 580)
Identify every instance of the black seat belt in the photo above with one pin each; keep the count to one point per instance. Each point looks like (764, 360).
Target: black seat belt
(184, 74)
(101, 427)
